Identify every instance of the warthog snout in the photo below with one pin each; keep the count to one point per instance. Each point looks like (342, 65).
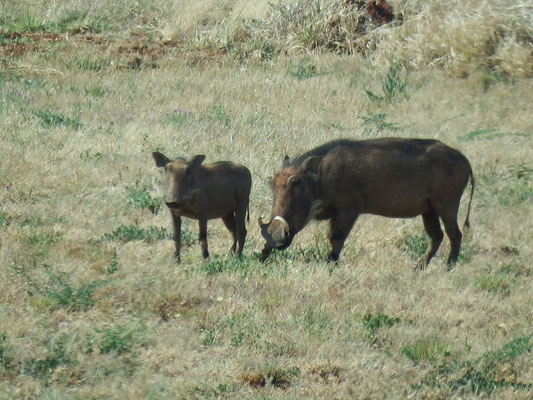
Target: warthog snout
(174, 204)
(276, 232)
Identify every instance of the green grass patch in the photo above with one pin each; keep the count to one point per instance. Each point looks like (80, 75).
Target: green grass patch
(6, 356)
(142, 197)
(426, 350)
(495, 284)
(117, 339)
(56, 356)
(134, 232)
(228, 265)
(414, 245)
(481, 376)
(51, 119)
(372, 323)
(74, 22)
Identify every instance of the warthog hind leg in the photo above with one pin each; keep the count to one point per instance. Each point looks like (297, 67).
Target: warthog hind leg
(432, 226)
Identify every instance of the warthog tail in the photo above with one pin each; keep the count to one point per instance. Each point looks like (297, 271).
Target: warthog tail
(466, 224)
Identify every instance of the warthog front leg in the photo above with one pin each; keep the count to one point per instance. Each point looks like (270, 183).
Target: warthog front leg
(176, 222)
(340, 226)
(202, 223)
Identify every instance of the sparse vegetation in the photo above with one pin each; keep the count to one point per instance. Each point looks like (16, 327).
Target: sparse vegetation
(92, 303)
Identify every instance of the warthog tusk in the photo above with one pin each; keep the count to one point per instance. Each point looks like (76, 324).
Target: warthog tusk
(284, 222)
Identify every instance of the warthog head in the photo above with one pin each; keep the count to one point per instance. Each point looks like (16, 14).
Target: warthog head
(179, 188)
(295, 191)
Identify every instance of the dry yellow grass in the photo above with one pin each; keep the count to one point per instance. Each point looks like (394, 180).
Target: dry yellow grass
(87, 312)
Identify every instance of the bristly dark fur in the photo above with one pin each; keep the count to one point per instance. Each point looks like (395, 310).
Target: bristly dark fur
(321, 150)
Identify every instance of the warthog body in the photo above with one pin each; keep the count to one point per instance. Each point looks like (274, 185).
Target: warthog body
(399, 178)
(203, 192)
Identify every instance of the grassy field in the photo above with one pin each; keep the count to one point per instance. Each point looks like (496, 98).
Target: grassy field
(92, 305)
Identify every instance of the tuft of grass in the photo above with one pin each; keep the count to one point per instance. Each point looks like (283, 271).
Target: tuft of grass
(219, 391)
(271, 375)
(304, 69)
(317, 322)
(116, 339)
(91, 64)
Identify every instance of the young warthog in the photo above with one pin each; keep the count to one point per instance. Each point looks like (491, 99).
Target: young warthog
(398, 178)
(202, 192)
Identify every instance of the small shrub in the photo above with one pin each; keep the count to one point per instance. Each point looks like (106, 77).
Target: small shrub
(140, 197)
(377, 123)
(58, 292)
(392, 85)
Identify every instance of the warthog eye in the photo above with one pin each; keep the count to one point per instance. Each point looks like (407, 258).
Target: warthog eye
(293, 181)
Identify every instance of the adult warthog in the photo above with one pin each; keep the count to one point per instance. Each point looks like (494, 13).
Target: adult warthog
(399, 178)
(203, 192)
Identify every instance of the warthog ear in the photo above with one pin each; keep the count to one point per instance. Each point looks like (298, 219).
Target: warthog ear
(310, 165)
(160, 159)
(196, 161)
(285, 162)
